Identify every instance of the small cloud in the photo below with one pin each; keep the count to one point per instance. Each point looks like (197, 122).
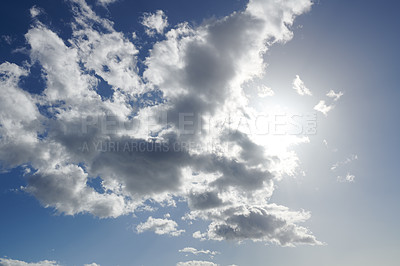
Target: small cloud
(325, 143)
(264, 91)
(92, 264)
(300, 87)
(35, 11)
(200, 235)
(196, 263)
(7, 39)
(348, 160)
(348, 178)
(160, 227)
(105, 2)
(335, 95)
(155, 22)
(323, 108)
(197, 252)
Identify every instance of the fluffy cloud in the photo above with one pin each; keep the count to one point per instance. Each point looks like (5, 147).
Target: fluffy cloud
(35, 11)
(160, 227)
(11, 262)
(300, 87)
(323, 107)
(160, 134)
(155, 22)
(196, 263)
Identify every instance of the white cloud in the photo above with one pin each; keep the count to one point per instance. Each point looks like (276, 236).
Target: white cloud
(347, 178)
(70, 133)
(264, 91)
(196, 263)
(160, 227)
(335, 95)
(300, 87)
(197, 252)
(11, 262)
(35, 11)
(155, 22)
(323, 107)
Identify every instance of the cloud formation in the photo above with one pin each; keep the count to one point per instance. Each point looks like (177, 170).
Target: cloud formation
(150, 136)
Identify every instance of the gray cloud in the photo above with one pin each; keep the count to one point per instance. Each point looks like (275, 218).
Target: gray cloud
(70, 134)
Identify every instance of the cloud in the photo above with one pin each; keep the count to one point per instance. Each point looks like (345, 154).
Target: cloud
(270, 223)
(135, 141)
(11, 262)
(196, 263)
(155, 22)
(300, 87)
(197, 252)
(264, 91)
(323, 107)
(35, 11)
(160, 227)
(106, 2)
(335, 95)
(350, 178)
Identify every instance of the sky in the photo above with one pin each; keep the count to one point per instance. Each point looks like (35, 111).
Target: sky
(230, 132)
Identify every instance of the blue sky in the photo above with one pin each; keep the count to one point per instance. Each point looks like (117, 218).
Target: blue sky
(80, 81)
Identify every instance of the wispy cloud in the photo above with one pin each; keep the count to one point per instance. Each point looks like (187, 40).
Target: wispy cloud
(335, 95)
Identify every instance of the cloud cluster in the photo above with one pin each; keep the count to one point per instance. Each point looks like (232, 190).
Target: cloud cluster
(141, 135)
